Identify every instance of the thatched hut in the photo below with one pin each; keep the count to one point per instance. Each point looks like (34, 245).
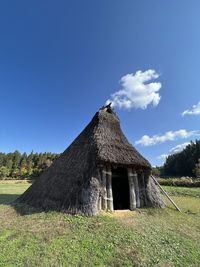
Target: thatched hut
(100, 170)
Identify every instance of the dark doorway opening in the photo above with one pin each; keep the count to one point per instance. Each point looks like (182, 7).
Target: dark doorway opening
(120, 188)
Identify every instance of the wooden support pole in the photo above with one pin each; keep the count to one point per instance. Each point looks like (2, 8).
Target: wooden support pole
(165, 193)
(109, 188)
(104, 191)
(137, 192)
(131, 189)
(99, 204)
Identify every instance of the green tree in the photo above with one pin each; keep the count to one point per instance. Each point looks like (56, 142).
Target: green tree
(183, 163)
(16, 159)
(19, 166)
(197, 169)
(4, 172)
(156, 171)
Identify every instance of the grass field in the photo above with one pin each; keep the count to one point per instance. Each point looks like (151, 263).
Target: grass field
(147, 237)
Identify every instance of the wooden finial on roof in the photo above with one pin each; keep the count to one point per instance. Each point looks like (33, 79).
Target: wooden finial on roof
(107, 108)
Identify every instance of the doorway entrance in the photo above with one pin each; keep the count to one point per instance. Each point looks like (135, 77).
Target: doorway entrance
(120, 189)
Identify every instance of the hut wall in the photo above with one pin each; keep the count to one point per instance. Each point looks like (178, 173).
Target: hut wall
(140, 185)
(154, 198)
(142, 188)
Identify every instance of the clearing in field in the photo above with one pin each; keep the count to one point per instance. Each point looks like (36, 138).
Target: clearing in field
(147, 237)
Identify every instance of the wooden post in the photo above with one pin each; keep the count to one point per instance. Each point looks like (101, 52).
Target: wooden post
(131, 189)
(104, 191)
(137, 192)
(100, 193)
(109, 188)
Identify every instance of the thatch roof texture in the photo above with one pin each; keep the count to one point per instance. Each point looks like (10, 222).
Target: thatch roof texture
(71, 183)
(112, 145)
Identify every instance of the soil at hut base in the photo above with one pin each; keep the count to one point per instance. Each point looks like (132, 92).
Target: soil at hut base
(147, 237)
(119, 213)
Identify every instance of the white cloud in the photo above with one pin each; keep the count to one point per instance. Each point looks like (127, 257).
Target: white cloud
(174, 150)
(137, 90)
(179, 148)
(163, 157)
(168, 136)
(195, 110)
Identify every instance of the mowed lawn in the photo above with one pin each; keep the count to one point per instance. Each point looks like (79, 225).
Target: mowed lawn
(146, 237)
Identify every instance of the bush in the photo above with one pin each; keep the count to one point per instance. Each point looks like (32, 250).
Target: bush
(183, 181)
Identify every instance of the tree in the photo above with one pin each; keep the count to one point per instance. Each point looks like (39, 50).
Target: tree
(183, 163)
(19, 166)
(23, 172)
(156, 171)
(197, 169)
(16, 159)
(4, 172)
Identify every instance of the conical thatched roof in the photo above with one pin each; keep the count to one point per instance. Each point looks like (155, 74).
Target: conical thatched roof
(112, 145)
(69, 183)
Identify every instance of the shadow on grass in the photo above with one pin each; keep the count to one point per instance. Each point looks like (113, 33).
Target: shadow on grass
(7, 199)
(21, 209)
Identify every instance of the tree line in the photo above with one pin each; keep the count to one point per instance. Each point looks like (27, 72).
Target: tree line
(29, 166)
(24, 166)
(184, 163)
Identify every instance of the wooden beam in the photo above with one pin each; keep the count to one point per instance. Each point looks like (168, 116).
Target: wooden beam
(170, 199)
(137, 192)
(100, 193)
(104, 191)
(109, 188)
(131, 189)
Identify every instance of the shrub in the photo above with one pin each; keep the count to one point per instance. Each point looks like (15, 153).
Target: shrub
(183, 181)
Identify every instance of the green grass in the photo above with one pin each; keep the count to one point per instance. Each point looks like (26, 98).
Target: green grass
(147, 237)
(183, 191)
(10, 190)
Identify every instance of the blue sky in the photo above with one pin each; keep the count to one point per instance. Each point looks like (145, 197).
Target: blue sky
(61, 60)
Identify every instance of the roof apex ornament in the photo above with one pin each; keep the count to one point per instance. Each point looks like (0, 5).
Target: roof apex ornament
(107, 108)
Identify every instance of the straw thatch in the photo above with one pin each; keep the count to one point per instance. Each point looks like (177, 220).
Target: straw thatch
(72, 183)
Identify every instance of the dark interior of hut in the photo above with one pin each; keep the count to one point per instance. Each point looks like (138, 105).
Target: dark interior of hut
(120, 188)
